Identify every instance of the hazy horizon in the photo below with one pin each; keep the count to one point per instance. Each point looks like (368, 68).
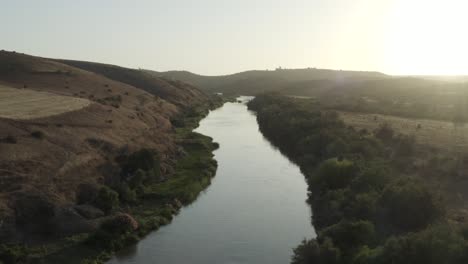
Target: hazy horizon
(223, 37)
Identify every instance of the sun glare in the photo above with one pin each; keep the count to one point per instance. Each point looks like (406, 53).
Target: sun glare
(427, 37)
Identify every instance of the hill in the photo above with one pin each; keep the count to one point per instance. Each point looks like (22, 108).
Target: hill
(255, 82)
(75, 121)
(430, 97)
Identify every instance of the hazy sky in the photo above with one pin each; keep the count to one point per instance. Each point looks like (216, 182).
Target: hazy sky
(219, 37)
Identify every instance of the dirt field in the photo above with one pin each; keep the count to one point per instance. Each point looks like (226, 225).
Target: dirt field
(29, 104)
(440, 134)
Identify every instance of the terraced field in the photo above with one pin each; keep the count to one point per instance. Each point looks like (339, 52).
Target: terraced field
(29, 104)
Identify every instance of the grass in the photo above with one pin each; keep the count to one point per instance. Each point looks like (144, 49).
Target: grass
(440, 134)
(193, 172)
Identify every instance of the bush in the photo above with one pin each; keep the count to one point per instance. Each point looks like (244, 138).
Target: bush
(363, 206)
(114, 233)
(9, 140)
(409, 205)
(119, 224)
(34, 211)
(12, 254)
(38, 134)
(87, 193)
(311, 252)
(126, 194)
(374, 177)
(384, 132)
(435, 245)
(334, 174)
(144, 159)
(348, 235)
(107, 199)
(137, 179)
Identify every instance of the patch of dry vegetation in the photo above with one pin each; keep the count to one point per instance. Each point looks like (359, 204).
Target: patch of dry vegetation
(29, 104)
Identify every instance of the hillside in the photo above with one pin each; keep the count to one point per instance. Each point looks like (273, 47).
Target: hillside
(61, 149)
(255, 82)
(172, 90)
(400, 96)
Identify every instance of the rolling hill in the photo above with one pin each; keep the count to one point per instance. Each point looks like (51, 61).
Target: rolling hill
(255, 82)
(72, 119)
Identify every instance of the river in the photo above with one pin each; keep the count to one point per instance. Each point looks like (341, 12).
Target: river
(253, 212)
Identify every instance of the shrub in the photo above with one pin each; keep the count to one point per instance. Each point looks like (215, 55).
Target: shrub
(38, 134)
(363, 206)
(126, 194)
(307, 252)
(405, 145)
(348, 235)
(434, 245)
(384, 132)
(144, 159)
(334, 174)
(12, 254)
(35, 212)
(9, 140)
(310, 251)
(120, 223)
(87, 193)
(114, 233)
(409, 205)
(137, 179)
(107, 199)
(373, 177)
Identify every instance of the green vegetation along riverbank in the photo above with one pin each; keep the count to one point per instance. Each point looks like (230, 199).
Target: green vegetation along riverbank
(137, 201)
(370, 201)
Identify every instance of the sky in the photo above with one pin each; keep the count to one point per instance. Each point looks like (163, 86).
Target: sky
(214, 37)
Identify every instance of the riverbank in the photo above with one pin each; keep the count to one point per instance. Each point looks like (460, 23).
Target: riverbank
(256, 190)
(371, 201)
(146, 201)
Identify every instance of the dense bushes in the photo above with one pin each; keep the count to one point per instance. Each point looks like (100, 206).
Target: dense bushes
(434, 245)
(107, 199)
(408, 205)
(115, 232)
(143, 159)
(12, 254)
(334, 174)
(367, 207)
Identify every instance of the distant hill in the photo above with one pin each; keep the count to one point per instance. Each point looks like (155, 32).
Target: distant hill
(172, 90)
(432, 97)
(255, 82)
(400, 96)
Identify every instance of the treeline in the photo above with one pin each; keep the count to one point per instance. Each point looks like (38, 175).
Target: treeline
(367, 205)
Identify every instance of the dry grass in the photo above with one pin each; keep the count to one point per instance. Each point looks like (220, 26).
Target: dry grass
(441, 134)
(29, 104)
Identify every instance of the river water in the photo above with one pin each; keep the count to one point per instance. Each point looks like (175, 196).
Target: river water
(253, 212)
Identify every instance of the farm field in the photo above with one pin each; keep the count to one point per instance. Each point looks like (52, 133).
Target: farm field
(441, 134)
(29, 104)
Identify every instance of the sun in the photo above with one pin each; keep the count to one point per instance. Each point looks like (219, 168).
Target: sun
(427, 37)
